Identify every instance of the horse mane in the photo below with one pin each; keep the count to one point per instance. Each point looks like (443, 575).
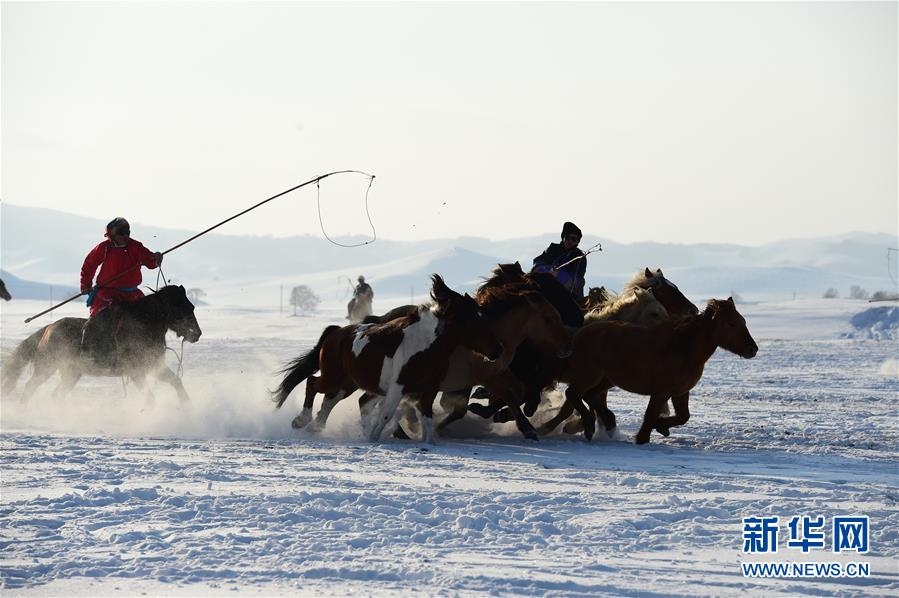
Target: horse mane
(615, 307)
(640, 279)
(495, 301)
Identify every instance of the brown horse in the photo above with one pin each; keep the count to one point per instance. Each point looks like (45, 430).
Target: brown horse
(514, 315)
(140, 345)
(663, 361)
(407, 355)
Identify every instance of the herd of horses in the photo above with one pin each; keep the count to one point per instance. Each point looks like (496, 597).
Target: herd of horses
(521, 334)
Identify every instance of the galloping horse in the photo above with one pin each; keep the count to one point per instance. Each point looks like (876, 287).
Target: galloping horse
(359, 307)
(140, 343)
(4, 294)
(407, 355)
(514, 315)
(663, 361)
(665, 291)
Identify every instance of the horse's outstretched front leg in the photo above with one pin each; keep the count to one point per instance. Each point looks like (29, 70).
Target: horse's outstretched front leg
(167, 375)
(650, 418)
(140, 380)
(681, 414)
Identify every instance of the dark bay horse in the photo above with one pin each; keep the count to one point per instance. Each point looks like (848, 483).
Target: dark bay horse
(140, 345)
(514, 315)
(662, 361)
(535, 368)
(407, 355)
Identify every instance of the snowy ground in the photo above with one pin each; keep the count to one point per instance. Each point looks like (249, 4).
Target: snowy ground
(103, 493)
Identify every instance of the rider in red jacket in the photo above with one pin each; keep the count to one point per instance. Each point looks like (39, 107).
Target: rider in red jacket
(117, 255)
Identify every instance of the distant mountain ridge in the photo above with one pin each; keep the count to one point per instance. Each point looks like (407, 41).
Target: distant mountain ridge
(48, 245)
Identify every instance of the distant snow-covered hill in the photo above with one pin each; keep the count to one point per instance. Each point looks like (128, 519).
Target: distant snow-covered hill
(49, 246)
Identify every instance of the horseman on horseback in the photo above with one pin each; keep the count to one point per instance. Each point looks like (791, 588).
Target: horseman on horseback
(360, 305)
(565, 261)
(119, 254)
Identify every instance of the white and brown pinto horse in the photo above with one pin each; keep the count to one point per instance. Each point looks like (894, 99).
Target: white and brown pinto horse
(408, 355)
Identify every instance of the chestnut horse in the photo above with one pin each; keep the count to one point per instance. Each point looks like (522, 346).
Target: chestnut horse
(139, 341)
(663, 361)
(407, 355)
(514, 315)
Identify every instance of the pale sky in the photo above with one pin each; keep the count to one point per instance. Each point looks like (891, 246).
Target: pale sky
(693, 122)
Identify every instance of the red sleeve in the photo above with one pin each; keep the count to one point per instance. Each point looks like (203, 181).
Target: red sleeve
(145, 256)
(90, 265)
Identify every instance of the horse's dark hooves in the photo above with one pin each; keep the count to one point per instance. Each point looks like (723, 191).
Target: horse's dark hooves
(531, 435)
(502, 416)
(641, 439)
(401, 433)
(666, 432)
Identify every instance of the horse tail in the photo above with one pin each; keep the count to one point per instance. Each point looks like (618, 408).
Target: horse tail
(300, 368)
(16, 361)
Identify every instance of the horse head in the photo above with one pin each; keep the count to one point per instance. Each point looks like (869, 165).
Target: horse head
(544, 326)
(463, 315)
(730, 328)
(179, 312)
(665, 291)
(649, 310)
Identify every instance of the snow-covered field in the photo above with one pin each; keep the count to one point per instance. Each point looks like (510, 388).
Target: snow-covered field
(103, 493)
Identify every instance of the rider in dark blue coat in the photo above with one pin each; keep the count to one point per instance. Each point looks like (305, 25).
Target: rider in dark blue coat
(572, 275)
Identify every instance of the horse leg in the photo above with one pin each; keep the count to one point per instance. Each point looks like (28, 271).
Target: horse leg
(321, 418)
(681, 414)
(573, 396)
(69, 378)
(305, 415)
(41, 374)
(456, 404)
(167, 375)
(486, 411)
(140, 380)
(426, 415)
(596, 399)
(531, 399)
(387, 412)
(650, 418)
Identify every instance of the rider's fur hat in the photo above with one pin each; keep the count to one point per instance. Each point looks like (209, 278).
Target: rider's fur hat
(569, 228)
(118, 225)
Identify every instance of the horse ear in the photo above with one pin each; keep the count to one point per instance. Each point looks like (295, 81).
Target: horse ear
(518, 264)
(648, 273)
(731, 300)
(439, 291)
(659, 272)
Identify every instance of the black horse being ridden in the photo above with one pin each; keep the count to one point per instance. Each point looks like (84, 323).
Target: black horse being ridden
(138, 329)
(534, 368)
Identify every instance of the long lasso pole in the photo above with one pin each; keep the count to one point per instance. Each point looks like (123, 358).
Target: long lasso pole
(211, 228)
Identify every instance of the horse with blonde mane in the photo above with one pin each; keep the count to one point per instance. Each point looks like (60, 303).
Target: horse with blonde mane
(662, 361)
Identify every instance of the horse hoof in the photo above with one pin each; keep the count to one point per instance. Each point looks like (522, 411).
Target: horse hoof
(503, 416)
(641, 439)
(666, 432)
(532, 435)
